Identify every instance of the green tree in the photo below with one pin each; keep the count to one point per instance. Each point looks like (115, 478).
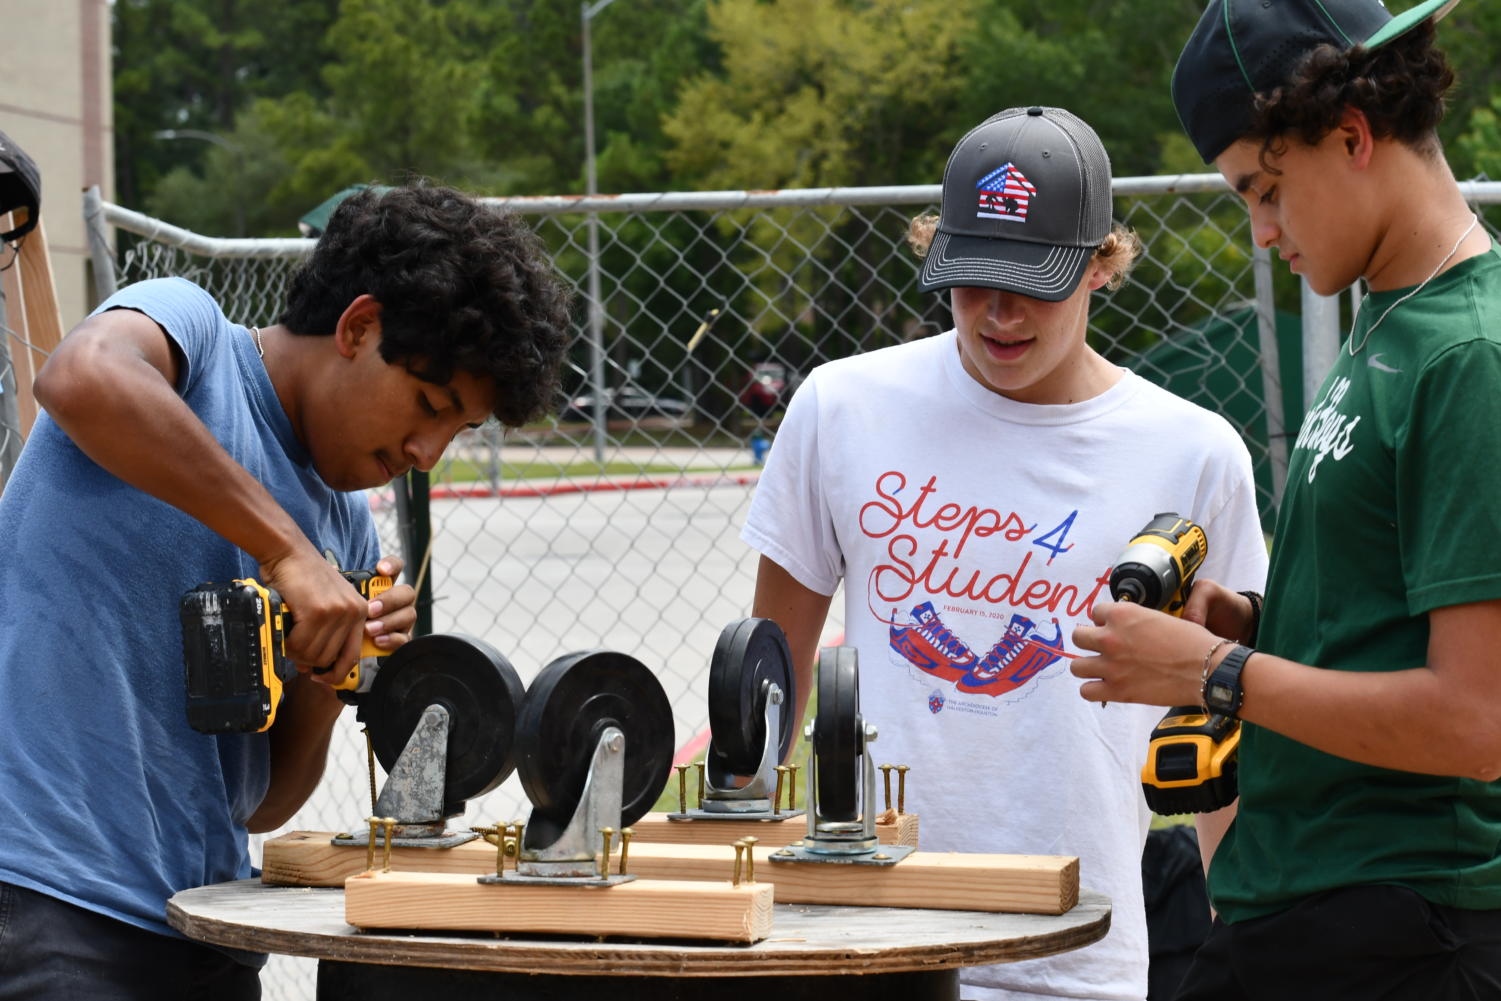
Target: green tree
(817, 93)
(193, 64)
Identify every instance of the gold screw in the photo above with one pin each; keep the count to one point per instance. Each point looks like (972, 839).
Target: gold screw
(776, 799)
(682, 788)
(387, 823)
(700, 766)
(370, 764)
(625, 847)
(901, 787)
(881, 857)
(750, 859)
(792, 790)
(518, 826)
(607, 833)
(886, 774)
(496, 836)
(782, 852)
(739, 852)
(370, 844)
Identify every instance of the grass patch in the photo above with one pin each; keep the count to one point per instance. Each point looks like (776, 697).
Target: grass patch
(668, 801)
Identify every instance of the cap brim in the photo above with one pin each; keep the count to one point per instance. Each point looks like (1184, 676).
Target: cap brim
(1404, 22)
(1031, 269)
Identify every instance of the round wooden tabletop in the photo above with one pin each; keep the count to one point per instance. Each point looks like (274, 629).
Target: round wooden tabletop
(806, 939)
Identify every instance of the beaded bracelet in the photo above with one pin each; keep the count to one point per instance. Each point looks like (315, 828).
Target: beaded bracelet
(1255, 599)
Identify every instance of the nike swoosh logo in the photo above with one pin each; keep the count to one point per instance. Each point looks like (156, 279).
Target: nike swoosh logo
(1375, 362)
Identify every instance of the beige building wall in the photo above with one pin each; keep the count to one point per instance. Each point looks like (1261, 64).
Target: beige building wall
(56, 103)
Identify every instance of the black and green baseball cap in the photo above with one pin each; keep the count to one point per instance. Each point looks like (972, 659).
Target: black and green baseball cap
(1241, 48)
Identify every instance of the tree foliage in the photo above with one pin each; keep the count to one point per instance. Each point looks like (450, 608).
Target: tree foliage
(307, 96)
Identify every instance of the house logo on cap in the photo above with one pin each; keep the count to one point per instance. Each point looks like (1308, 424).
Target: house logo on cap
(1005, 193)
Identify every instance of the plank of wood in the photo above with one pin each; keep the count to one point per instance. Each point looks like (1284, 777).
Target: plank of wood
(307, 858)
(643, 908)
(31, 311)
(892, 828)
(1023, 884)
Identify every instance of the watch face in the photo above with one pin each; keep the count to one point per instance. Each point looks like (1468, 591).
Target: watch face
(1221, 694)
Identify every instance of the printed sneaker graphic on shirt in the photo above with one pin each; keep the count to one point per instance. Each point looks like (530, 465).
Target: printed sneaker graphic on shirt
(1017, 657)
(931, 646)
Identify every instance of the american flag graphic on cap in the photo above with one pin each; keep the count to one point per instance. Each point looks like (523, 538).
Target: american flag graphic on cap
(1005, 193)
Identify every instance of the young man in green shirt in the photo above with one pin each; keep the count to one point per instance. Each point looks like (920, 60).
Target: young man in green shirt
(1365, 860)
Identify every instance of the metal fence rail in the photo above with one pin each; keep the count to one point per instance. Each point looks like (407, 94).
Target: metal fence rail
(621, 532)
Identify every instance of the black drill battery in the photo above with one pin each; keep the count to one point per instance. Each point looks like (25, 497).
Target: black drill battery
(233, 642)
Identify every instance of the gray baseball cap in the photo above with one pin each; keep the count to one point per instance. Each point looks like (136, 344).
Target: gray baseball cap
(1026, 203)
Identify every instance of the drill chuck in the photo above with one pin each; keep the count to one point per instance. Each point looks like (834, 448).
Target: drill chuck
(1158, 566)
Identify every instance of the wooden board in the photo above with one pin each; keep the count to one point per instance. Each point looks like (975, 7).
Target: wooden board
(806, 940)
(1025, 884)
(31, 311)
(892, 828)
(641, 908)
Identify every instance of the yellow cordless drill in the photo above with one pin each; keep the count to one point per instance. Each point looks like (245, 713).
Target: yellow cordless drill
(1191, 760)
(234, 651)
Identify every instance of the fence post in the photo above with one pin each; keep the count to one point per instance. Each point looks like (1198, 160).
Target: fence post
(417, 531)
(1271, 372)
(1320, 340)
(100, 256)
(10, 416)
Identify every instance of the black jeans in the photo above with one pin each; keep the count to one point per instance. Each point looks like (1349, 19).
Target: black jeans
(1360, 943)
(53, 951)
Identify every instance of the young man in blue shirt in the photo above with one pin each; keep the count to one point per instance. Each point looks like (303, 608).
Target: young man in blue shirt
(179, 446)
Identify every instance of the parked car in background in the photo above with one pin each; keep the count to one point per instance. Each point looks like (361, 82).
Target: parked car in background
(765, 388)
(628, 402)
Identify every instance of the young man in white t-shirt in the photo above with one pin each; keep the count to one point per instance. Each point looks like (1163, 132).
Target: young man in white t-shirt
(974, 489)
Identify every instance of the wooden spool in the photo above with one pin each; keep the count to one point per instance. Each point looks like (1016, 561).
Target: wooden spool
(812, 952)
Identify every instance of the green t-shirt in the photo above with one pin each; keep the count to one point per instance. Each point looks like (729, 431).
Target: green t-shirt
(1392, 509)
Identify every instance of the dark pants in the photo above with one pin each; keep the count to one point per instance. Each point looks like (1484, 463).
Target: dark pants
(53, 951)
(1361, 943)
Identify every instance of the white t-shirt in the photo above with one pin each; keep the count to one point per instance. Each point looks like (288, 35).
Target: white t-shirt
(973, 533)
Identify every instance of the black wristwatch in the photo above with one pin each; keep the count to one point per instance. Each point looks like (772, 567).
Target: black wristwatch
(1222, 691)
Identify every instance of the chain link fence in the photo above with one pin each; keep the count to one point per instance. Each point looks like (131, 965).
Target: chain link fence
(615, 523)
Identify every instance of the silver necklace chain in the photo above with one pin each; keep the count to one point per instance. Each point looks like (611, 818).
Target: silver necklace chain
(1350, 343)
(260, 348)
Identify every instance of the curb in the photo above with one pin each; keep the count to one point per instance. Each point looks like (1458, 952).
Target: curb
(596, 486)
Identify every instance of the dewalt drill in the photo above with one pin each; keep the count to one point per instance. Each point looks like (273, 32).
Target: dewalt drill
(1191, 760)
(234, 651)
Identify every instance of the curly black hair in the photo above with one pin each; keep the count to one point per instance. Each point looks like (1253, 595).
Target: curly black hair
(462, 287)
(1399, 87)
